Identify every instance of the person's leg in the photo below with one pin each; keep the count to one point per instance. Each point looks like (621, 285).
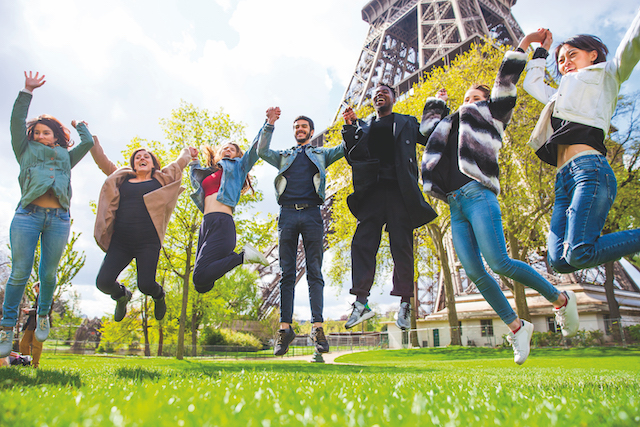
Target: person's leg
(36, 352)
(52, 244)
(118, 257)
(313, 240)
(558, 228)
(215, 256)
(24, 233)
(400, 242)
(365, 244)
(288, 233)
(147, 256)
(25, 342)
(482, 210)
(468, 251)
(593, 190)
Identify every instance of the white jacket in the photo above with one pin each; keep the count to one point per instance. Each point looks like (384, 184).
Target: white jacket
(588, 96)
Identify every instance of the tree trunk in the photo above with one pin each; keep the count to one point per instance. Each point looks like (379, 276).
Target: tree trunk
(145, 326)
(185, 301)
(519, 296)
(194, 326)
(160, 338)
(614, 308)
(437, 237)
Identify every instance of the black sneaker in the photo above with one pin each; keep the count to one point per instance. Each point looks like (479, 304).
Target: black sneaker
(159, 308)
(285, 336)
(121, 305)
(318, 338)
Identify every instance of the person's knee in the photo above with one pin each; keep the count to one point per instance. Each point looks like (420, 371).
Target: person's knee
(581, 257)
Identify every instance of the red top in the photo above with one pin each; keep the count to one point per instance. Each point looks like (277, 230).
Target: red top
(211, 184)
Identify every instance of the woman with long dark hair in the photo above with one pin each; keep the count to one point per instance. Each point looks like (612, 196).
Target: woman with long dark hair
(42, 147)
(134, 209)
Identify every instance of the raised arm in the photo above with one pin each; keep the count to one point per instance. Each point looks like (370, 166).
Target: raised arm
(534, 82)
(101, 159)
(264, 151)
(21, 109)
(504, 92)
(262, 139)
(86, 143)
(173, 170)
(628, 51)
(435, 109)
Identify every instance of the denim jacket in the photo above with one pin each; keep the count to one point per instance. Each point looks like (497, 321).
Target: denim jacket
(234, 173)
(282, 159)
(43, 167)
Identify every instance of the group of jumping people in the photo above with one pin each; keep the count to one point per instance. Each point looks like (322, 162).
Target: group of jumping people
(459, 166)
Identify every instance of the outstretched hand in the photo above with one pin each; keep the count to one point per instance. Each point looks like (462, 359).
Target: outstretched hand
(538, 36)
(546, 44)
(32, 82)
(273, 114)
(349, 116)
(193, 152)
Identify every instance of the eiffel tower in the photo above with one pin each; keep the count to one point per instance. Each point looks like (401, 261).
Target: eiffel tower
(408, 38)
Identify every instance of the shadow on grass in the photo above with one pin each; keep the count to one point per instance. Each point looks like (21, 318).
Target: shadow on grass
(25, 376)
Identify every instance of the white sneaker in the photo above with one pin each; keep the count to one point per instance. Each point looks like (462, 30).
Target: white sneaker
(359, 314)
(521, 342)
(42, 328)
(567, 316)
(6, 342)
(404, 316)
(253, 256)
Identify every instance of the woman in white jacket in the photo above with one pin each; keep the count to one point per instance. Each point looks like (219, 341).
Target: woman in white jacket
(570, 135)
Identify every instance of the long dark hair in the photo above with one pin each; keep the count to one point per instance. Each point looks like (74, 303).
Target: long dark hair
(154, 159)
(585, 42)
(59, 130)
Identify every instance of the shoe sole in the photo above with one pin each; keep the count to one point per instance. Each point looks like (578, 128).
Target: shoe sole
(364, 317)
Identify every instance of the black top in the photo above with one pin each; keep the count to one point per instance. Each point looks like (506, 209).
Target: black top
(382, 147)
(456, 178)
(132, 218)
(570, 133)
(299, 178)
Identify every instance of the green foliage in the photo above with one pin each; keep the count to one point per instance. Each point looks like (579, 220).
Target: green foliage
(227, 337)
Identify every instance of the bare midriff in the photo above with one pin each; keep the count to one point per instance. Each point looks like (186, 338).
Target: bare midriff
(211, 204)
(47, 200)
(566, 152)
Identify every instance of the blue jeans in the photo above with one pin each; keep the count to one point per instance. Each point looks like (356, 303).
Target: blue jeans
(291, 224)
(476, 225)
(30, 224)
(585, 190)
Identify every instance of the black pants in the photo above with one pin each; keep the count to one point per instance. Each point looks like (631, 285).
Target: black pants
(122, 250)
(384, 205)
(215, 256)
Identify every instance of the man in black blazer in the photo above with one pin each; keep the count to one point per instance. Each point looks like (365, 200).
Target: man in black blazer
(382, 155)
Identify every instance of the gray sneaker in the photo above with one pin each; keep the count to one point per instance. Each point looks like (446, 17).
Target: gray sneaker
(42, 328)
(404, 316)
(320, 340)
(121, 305)
(6, 342)
(359, 314)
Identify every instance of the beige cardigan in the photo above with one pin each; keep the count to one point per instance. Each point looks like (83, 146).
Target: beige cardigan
(160, 203)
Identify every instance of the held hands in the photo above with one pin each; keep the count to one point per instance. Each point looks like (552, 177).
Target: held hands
(541, 35)
(75, 123)
(442, 94)
(193, 152)
(273, 114)
(32, 82)
(349, 116)
(25, 310)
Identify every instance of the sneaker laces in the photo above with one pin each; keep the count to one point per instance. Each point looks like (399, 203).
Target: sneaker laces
(42, 322)
(405, 311)
(281, 334)
(356, 310)
(318, 334)
(560, 317)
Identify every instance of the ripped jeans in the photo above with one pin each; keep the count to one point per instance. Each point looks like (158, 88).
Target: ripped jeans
(585, 190)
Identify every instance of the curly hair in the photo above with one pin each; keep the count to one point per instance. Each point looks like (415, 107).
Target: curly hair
(60, 131)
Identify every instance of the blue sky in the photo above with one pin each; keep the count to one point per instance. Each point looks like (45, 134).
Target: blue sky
(123, 65)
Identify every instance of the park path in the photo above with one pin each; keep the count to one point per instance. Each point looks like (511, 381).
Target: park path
(328, 357)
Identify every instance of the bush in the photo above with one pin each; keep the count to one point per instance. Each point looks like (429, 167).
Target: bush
(228, 337)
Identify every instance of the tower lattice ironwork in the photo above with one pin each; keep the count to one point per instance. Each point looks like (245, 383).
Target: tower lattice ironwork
(407, 38)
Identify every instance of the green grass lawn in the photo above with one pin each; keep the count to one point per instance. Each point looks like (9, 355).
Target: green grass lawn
(451, 386)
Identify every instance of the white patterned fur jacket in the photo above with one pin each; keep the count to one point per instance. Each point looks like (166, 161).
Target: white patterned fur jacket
(480, 133)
